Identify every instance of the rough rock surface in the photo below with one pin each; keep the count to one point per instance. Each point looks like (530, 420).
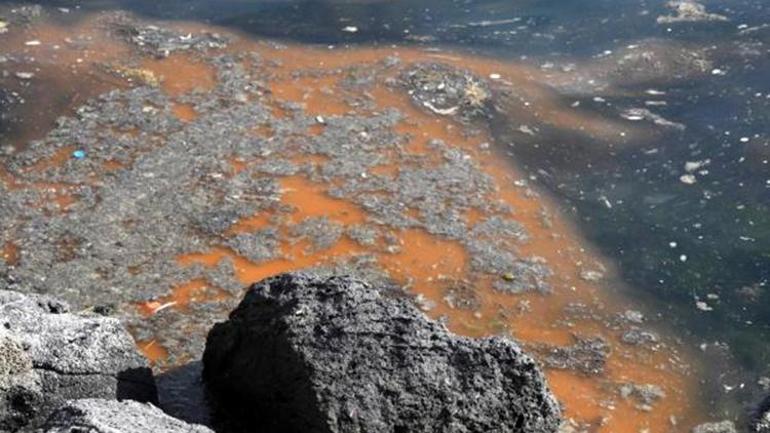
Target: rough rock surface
(48, 355)
(305, 353)
(112, 416)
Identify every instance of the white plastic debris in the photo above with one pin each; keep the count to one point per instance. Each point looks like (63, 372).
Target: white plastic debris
(350, 29)
(591, 275)
(691, 166)
(636, 114)
(688, 179)
(442, 111)
(163, 307)
(525, 129)
(703, 306)
(32, 43)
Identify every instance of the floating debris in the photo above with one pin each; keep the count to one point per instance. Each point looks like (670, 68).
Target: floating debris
(139, 75)
(447, 91)
(691, 166)
(636, 114)
(703, 306)
(639, 337)
(591, 275)
(161, 42)
(688, 11)
(587, 355)
(645, 394)
(655, 92)
(633, 316)
(716, 427)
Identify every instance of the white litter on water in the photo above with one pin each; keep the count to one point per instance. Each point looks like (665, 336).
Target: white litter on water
(691, 166)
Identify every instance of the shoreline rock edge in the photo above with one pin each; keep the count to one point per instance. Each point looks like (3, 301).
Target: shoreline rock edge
(306, 353)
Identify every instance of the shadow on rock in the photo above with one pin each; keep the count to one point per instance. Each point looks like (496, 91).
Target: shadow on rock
(181, 393)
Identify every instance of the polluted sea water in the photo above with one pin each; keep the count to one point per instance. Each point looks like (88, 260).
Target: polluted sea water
(154, 169)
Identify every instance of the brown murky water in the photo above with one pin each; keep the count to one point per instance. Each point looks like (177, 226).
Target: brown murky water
(429, 265)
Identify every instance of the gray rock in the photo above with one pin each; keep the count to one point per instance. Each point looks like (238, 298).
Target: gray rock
(48, 355)
(304, 353)
(111, 416)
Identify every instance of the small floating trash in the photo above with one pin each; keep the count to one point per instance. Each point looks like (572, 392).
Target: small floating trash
(79, 154)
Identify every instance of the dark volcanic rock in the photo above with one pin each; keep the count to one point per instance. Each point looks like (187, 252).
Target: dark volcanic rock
(303, 353)
(110, 416)
(48, 355)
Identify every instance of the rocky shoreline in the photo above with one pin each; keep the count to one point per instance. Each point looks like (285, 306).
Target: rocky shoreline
(49, 355)
(302, 352)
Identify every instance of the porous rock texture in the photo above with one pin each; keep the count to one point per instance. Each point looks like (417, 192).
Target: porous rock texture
(49, 355)
(112, 416)
(305, 353)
